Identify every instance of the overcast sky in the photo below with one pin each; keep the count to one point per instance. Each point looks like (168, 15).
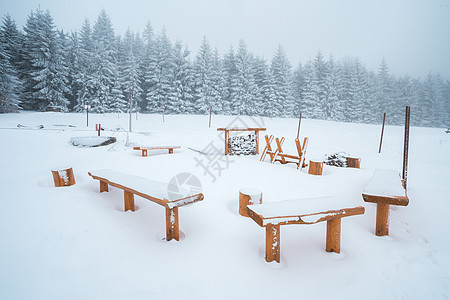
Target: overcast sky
(413, 35)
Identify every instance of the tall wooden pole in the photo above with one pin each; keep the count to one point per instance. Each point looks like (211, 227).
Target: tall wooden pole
(163, 112)
(382, 131)
(405, 147)
(210, 110)
(299, 122)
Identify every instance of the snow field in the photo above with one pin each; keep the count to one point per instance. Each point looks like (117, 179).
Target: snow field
(76, 243)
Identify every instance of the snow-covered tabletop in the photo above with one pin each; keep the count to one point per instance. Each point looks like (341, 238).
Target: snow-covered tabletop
(385, 183)
(308, 210)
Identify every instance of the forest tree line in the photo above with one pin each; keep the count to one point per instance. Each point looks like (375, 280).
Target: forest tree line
(41, 66)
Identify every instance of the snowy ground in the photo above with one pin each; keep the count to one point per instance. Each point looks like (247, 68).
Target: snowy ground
(75, 243)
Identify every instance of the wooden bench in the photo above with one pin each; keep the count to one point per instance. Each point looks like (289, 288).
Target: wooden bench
(280, 156)
(145, 149)
(385, 188)
(301, 211)
(157, 192)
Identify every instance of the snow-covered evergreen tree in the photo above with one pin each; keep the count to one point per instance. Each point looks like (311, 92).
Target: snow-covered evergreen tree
(203, 69)
(218, 85)
(159, 77)
(104, 63)
(230, 94)
(130, 79)
(264, 95)
(46, 80)
(384, 89)
(333, 90)
(83, 78)
(282, 84)
(182, 79)
(9, 83)
(244, 103)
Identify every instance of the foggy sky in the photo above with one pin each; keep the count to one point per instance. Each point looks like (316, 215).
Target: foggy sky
(412, 35)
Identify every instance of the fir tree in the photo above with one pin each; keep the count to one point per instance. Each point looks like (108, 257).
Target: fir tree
(282, 84)
(203, 78)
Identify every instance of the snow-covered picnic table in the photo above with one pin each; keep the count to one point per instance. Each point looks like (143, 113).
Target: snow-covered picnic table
(302, 211)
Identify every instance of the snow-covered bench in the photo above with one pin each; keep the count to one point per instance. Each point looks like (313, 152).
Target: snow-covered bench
(169, 196)
(385, 188)
(302, 211)
(145, 149)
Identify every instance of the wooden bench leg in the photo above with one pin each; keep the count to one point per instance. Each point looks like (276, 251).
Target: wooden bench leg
(144, 152)
(129, 200)
(170, 150)
(382, 227)
(334, 235)
(103, 186)
(273, 243)
(172, 225)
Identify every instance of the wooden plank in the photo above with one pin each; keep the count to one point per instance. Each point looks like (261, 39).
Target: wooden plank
(241, 129)
(304, 219)
(394, 200)
(163, 202)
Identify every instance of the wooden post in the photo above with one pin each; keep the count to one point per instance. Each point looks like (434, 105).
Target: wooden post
(163, 112)
(226, 142)
(382, 131)
(210, 111)
(64, 177)
(257, 141)
(103, 186)
(170, 150)
(144, 152)
(405, 147)
(334, 235)
(273, 243)
(315, 167)
(299, 122)
(382, 223)
(128, 200)
(248, 196)
(172, 225)
(353, 162)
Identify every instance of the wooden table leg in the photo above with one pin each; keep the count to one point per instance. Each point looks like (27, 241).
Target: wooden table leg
(128, 200)
(382, 227)
(273, 243)
(172, 225)
(170, 150)
(334, 235)
(144, 152)
(103, 186)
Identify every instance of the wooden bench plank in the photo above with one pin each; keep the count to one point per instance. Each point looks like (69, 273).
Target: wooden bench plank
(149, 189)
